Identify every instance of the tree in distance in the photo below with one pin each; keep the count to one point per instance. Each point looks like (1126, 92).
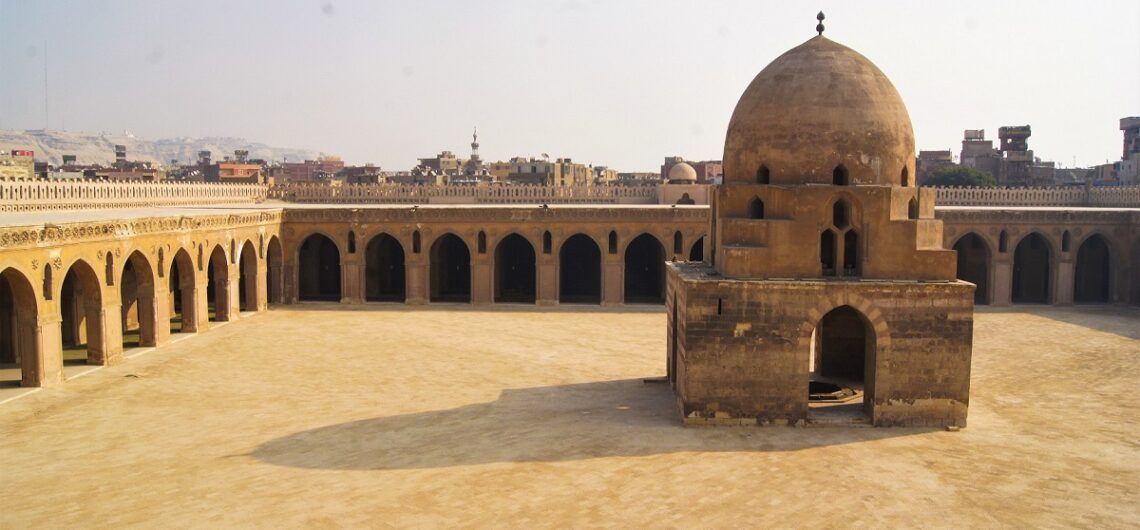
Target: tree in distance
(956, 175)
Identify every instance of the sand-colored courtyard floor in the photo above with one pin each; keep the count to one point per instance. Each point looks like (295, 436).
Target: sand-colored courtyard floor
(321, 417)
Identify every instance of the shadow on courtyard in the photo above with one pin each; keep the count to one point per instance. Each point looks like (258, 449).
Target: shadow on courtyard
(1114, 319)
(624, 418)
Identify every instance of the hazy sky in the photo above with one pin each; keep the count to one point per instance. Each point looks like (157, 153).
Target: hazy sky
(619, 83)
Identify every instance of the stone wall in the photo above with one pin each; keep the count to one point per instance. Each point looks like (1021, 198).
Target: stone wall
(447, 194)
(1119, 197)
(38, 195)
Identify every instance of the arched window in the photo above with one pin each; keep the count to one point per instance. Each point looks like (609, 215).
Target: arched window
(763, 175)
(547, 244)
(1003, 242)
(1065, 241)
(851, 253)
(161, 263)
(613, 242)
(233, 251)
(756, 209)
(827, 252)
(110, 268)
(482, 242)
(200, 260)
(47, 281)
(678, 243)
(839, 216)
(904, 178)
(416, 242)
(912, 208)
(839, 176)
(351, 242)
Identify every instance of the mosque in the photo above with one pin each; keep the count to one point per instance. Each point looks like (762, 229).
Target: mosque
(818, 284)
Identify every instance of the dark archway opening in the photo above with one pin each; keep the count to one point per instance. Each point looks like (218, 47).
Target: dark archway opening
(645, 271)
(843, 353)
(319, 269)
(580, 271)
(827, 252)
(756, 209)
(763, 175)
(218, 286)
(183, 312)
(1134, 267)
(80, 305)
(19, 358)
(514, 271)
(912, 209)
(1093, 272)
(248, 278)
(136, 294)
(275, 285)
(697, 253)
(974, 265)
(384, 270)
(1031, 270)
(450, 270)
(839, 176)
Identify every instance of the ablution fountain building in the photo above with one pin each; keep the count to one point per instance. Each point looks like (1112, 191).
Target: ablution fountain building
(818, 283)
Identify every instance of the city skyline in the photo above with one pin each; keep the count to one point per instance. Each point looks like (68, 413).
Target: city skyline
(617, 85)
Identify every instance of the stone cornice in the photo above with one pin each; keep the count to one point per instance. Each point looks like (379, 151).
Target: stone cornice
(537, 214)
(50, 234)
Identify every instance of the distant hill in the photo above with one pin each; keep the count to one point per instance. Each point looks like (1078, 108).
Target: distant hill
(89, 148)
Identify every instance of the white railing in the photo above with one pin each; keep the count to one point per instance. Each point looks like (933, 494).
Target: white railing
(428, 194)
(1105, 197)
(34, 195)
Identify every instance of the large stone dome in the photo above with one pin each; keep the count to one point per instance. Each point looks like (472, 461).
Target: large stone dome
(819, 106)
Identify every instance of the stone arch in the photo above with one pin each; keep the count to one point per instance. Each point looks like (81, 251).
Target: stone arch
(81, 306)
(580, 270)
(516, 270)
(912, 208)
(697, 251)
(904, 177)
(975, 264)
(274, 279)
(876, 332)
(138, 301)
(318, 269)
(763, 175)
(644, 278)
(182, 288)
(249, 280)
(218, 285)
(19, 320)
(385, 269)
(840, 176)
(828, 253)
(1032, 270)
(756, 208)
(1092, 276)
(450, 269)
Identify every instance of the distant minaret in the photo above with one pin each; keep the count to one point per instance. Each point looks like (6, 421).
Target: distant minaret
(475, 145)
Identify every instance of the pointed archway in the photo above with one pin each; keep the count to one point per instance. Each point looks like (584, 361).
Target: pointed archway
(974, 265)
(183, 302)
(218, 286)
(450, 270)
(1032, 271)
(384, 270)
(248, 279)
(843, 355)
(1093, 275)
(81, 322)
(580, 271)
(318, 268)
(20, 362)
(697, 252)
(645, 271)
(137, 297)
(274, 280)
(515, 271)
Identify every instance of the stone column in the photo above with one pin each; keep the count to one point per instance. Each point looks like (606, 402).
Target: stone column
(352, 291)
(416, 280)
(547, 279)
(613, 274)
(482, 271)
(201, 307)
(289, 283)
(107, 347)
(162, 311)
(1002, 284)
(232, 286)
(1062, 281)
(42, 350)
(261, 291)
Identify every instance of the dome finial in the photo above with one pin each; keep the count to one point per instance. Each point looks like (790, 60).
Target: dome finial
(819, 27)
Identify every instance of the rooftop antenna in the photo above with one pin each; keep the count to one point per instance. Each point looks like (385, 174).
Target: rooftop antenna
(819, 27)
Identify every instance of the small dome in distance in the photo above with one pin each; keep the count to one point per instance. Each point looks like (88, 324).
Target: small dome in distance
(682, 173)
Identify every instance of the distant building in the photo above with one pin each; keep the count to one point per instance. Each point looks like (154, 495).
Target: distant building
(707, 171)
(1128, 169)
(604, 175)
(638, 178)
(928, 162)
(17, 164)
(1012, 163)
(322, 168)
(366, 174)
